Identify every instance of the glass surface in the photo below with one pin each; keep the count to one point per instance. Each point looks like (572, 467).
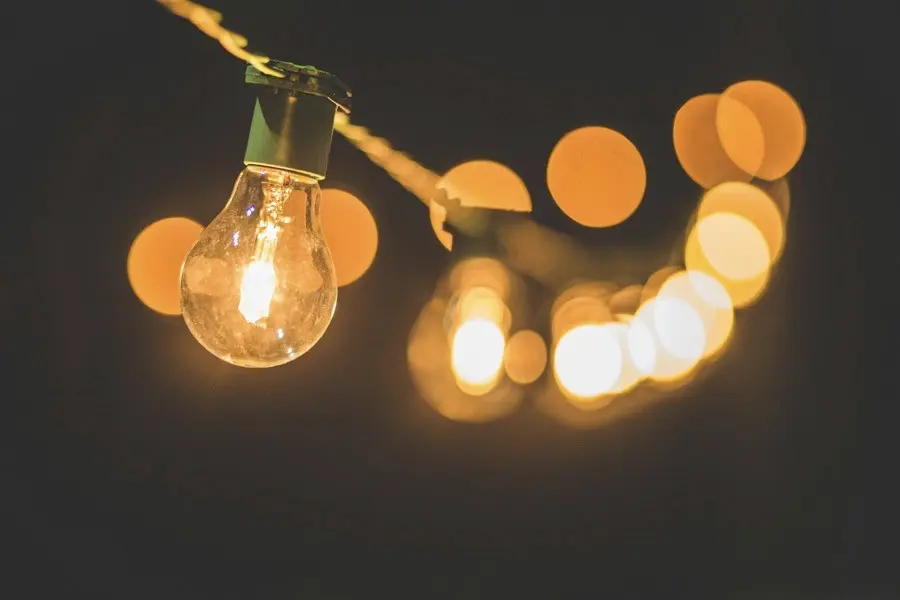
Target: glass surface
(258, 289)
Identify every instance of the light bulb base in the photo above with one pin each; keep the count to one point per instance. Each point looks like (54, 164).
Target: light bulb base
(293, 120)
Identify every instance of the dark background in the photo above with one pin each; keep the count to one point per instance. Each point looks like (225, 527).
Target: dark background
(142, 467)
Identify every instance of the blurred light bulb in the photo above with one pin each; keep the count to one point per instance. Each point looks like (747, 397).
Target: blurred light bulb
(477, 355)
(259, 288)
(588, 361)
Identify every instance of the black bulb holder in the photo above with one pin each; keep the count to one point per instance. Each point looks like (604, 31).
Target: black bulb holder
(293, 120)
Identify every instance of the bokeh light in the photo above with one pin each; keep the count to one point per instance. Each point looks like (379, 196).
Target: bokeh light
(526, 356)
(780, 118)
(481, 272)
(641, 343)
(477, 355)
(753, 204)
(478, 320)
(630, 374)
(350, 232)
(481, 288)
(627, 300)
(675, 333)
(743, 292)
(699, 149)
(155, 260)
(656, 281)
(587, 361)
(430, 359)
(733, 245)
(679, 328)
(479, 184)
(482, 303)
(581, 303)
(596, 176)
(608, 341)
(710, 301)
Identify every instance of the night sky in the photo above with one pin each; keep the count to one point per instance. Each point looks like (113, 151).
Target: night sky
(143, 467)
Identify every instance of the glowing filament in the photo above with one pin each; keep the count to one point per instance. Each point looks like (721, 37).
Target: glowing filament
(257, 289)
(258, 283)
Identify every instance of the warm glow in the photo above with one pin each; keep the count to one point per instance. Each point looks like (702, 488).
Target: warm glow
(780, 118)
(742, 292)
(753, 204)
(480, 184)
(596, 176)
(477, 354)
(155, 259)
(733, 245)
(431, 365)
(626, 300)
(350, 232)
(699, 149)
(257, 289)
(711, 302)
(479, 288)
(679, 328)
(641, 343)
(580, 304)
(486, 184)
(631, 374)
(481, 272)
(482, 303)
(655, 281)
(740, 134)
(666, 339)
(526, 356)
(588, 361)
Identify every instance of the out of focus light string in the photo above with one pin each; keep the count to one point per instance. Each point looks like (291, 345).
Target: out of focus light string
(209, 22)
(473, 352)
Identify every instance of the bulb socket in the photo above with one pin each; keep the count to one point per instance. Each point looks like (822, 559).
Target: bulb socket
(293, 120)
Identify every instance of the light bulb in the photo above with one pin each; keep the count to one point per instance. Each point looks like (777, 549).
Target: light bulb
(258, 289)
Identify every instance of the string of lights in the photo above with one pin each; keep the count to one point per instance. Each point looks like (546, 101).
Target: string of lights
(482, 340)
(209, 22)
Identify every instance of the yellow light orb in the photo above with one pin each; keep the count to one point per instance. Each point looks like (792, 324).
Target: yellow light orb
(753, 204)
(479, 184)
(733, 245)
(588, 361)
(679, 328)
(666, 339)
(477, 353)
(743, 292)
(526, 356)
(709, 299)
(350, 232)
(641, 344)
(697, 144)
(781, 121)
(630, 374)
(155, 259)
(596, 176)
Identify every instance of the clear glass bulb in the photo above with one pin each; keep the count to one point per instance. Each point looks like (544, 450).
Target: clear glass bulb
(258, 289)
